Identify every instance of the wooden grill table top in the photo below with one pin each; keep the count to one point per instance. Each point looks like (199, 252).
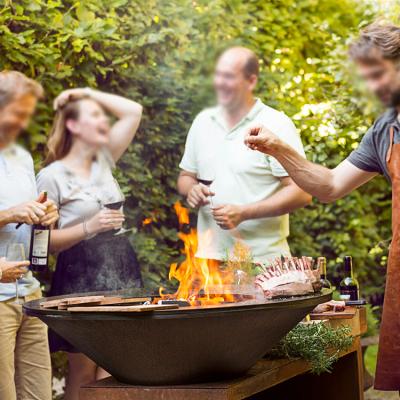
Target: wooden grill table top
(280, 379)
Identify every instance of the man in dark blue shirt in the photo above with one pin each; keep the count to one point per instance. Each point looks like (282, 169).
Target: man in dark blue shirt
(377, 56)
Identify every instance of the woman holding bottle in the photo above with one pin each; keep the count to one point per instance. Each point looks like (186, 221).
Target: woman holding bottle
(82, 151)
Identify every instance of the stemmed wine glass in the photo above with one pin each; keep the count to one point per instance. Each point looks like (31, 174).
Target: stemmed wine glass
(206, 178)
(16, 252)
(114, 200)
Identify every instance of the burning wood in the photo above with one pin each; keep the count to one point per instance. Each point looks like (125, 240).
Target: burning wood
(289, 277)
(201, 281)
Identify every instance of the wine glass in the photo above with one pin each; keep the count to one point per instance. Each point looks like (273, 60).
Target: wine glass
(114, 200)
(16, 252)
(206, 178)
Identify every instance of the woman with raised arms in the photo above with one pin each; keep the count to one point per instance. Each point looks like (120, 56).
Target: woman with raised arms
(82, 151)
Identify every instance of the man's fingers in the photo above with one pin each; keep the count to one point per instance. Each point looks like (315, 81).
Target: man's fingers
(255, 130)
(191, 204)
(32, 218)
(206, 191)
(38, 211)
(254, 140)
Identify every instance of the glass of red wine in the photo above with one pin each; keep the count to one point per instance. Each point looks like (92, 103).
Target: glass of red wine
(206, 178)
(115, 200)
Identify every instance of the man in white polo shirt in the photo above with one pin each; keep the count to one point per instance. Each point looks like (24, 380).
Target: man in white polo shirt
(251, 194)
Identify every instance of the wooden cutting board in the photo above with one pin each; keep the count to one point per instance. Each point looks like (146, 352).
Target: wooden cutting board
(140, 308)
(63, 304)
(70, 301)
(348, 313)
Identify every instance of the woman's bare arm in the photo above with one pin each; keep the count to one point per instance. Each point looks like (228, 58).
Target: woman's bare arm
(128, 113)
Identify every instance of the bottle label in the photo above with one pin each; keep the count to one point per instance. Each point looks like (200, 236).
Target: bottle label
(40, 244)
(349, 293)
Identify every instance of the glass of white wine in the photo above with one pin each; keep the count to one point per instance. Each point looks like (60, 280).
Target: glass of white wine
(16, 252)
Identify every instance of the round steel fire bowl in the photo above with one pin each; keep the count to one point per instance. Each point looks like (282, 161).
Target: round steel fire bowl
(186, 345)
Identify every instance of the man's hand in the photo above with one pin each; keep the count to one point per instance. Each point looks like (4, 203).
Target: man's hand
(262, 139)
(51, 216)
(198, 195)
(228, 216)
(12, 270)
(27, 213)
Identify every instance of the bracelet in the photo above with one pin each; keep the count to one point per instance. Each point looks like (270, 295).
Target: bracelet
(85, 230)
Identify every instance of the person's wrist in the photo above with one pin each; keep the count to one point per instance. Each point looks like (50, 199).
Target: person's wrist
(9, 217)
(277, 146)
(242, 213)
(89, 228)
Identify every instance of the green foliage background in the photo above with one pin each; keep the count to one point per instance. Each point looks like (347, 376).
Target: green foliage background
(161, 53)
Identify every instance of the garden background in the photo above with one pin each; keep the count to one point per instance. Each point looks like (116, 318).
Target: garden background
(161, 53)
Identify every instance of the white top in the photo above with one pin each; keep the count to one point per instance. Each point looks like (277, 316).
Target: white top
(79, 199)
(17, 185)
(242, 176)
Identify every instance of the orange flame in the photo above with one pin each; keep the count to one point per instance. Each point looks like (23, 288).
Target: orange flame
(201, 281)
(147, 221)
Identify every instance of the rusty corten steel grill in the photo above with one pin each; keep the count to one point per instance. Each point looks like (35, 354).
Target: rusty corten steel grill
(186, 345)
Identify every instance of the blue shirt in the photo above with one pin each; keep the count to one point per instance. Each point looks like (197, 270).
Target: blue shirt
(17, 185)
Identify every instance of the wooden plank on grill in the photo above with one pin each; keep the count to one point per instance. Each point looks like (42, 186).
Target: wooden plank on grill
(64, 303)
(140, 308)
(124, 301)
(52, 303)
(83, 300)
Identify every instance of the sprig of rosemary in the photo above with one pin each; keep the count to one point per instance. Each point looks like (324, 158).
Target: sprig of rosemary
(317, 343)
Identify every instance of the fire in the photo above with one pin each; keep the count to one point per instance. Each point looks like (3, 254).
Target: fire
(201, 281)
(147, 221)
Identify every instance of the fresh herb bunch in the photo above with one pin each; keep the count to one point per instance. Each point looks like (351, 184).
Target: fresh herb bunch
(317, 343)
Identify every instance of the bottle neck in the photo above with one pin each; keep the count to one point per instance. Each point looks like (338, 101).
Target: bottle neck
(348, 266)
(322, 266)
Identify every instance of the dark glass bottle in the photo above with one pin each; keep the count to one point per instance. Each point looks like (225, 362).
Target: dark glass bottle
(349, 288)
(39, 247)
(322, 270)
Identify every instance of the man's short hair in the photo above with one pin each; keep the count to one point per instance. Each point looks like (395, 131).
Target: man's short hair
(252, 66)
(376, 41)
(14, 84)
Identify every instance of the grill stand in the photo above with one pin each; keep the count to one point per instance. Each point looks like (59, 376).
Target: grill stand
(268, 380)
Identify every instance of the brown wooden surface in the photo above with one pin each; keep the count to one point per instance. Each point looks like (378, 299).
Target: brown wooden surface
(140, 308)
(268, 380)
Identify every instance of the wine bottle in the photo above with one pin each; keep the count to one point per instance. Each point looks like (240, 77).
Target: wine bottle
(322, 270)
(349, 288)
(39, 247)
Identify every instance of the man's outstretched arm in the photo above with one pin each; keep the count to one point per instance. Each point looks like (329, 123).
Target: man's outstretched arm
(325, 184)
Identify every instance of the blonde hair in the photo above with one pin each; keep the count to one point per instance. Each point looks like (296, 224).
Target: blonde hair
(60, 139)
(14, 84)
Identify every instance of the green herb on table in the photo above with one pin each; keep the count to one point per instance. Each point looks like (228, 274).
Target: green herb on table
(317, 343)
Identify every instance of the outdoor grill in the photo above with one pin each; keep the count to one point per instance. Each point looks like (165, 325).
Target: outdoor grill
(185, 345)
